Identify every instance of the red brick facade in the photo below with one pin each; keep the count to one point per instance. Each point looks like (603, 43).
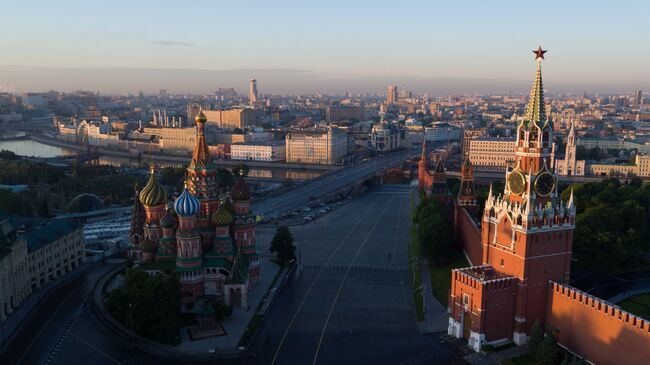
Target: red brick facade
(522, 259)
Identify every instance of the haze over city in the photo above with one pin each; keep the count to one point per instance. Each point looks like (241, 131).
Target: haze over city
(324, 182)
(329, 47)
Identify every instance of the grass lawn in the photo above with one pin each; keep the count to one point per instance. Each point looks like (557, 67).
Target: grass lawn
(638, 304)
(441, 277)
(419, 304)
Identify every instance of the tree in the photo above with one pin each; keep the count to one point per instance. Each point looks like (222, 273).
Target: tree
(547, 352)
(536, 338)
(225, 179)
(433, 230)
(44, 208)
(282, 245)
(581, 152)
(241, 170)
(149, 305)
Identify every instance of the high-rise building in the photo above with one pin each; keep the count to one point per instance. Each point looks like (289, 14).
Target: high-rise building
(391, 96)
(638, 98)
(252, 92)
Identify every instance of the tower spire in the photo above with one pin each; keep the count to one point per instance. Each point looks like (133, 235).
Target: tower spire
(536, 109)
(201, 155)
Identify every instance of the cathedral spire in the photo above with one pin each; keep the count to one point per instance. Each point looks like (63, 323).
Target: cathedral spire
(201, 155)
(536, 109)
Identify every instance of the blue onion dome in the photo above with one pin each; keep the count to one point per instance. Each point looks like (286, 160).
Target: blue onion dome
(221, 217)
(241, 191)
(186, 204)
(153, 193)
(168, 221)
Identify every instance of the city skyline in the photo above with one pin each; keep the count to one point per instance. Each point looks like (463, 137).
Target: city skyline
(434, 48)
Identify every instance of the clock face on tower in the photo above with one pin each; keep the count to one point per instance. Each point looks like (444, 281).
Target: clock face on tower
(516, 182)
(544, 183)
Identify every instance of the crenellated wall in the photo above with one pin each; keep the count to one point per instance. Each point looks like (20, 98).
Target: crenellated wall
(595, 329)
(469, 234)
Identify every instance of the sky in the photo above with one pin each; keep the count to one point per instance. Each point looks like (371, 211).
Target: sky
(323, 46)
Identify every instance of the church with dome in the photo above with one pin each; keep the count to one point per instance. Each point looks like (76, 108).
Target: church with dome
(208, 239)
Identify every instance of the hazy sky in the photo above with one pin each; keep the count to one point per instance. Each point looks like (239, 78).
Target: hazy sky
(345, 45)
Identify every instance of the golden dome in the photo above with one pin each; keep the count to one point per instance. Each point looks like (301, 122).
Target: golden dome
(200, 117)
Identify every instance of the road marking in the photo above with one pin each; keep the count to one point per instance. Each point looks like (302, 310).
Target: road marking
(48, 322)
(329, 315)
(96, 349)
(284, 336)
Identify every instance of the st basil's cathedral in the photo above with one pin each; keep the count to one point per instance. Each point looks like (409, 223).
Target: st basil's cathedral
(207, 239)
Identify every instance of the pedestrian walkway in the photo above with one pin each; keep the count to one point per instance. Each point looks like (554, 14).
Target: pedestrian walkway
(435, 313)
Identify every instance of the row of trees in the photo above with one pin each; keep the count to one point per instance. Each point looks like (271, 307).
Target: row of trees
(433, 230)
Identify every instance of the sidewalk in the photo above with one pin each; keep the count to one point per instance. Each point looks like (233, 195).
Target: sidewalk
(435, 313)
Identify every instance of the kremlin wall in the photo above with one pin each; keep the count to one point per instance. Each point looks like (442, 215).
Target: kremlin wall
(520, 250)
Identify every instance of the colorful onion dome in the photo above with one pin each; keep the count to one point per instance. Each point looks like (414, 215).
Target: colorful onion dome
(153, 194)
(222, 217)
(241, 191)
(168, 221)
(200, 117)
(186, 204)
(228, 206)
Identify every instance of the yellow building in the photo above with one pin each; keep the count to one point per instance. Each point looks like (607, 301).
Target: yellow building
(231, 118)
(491, 153)
(325, 146)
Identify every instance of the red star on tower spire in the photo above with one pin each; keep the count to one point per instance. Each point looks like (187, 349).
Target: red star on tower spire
(539, 53)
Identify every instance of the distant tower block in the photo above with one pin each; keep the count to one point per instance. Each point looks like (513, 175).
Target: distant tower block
(252, 92)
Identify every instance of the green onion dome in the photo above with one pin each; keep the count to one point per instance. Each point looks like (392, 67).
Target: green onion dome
(153, 194)
(222, 217)
(228, 206)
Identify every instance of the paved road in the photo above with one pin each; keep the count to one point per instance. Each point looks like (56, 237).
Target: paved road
(37, 336)
(352, 303)
(329, 183)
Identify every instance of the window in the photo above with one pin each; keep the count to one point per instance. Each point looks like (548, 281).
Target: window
(501, 262)
(465, 299)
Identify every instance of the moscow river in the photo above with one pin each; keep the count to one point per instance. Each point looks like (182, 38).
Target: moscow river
(28, 147)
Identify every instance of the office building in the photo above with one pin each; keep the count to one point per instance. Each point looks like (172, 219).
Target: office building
(336, 113)
(391, 95)
(258, 151)
(324, 146)
(231, 118)
(491, 153)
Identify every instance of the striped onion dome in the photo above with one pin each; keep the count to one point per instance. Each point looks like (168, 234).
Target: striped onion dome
(241, 191)
(153, 194)
(186, 204)
(222, 217)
